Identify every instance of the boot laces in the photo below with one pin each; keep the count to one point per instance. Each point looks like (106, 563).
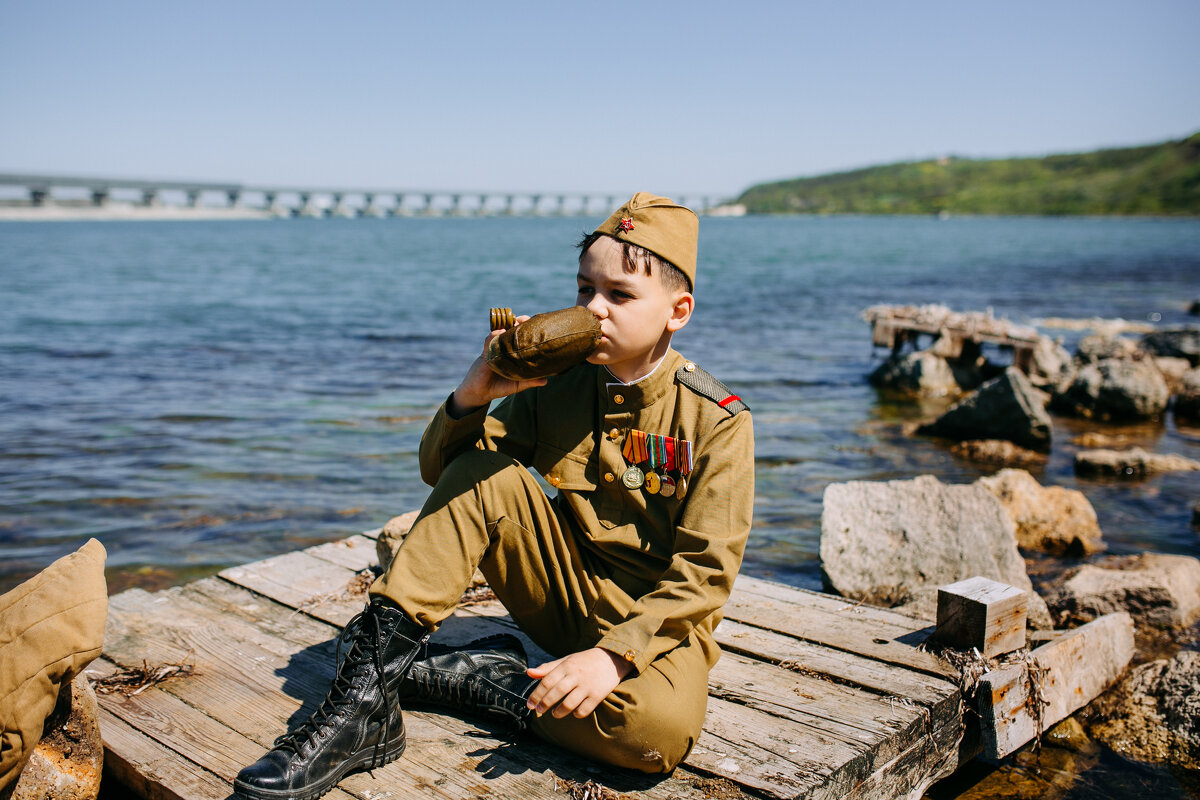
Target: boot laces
(361, 646)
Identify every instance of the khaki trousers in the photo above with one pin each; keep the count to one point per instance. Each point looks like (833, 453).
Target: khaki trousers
(488, 511)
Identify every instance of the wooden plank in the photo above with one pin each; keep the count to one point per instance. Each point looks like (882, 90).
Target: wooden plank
(875, 635)
(907, 776)
(839, 665)
(356, 553)
(1076, 667)
(301, 581)
(983, 614)
(151, 770)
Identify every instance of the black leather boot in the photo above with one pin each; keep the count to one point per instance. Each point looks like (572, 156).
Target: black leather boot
(358, 725)
(486, 676)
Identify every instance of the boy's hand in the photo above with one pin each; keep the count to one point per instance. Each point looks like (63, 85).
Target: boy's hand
(481, 385)
(576, 683)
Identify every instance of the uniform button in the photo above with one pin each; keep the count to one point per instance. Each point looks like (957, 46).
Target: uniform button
(608, 476)
(553, 480)
(690, 367)
(618, 398)
(614, 434)
(630, 655)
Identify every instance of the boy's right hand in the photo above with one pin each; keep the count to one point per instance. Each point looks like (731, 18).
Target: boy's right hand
(481, 385)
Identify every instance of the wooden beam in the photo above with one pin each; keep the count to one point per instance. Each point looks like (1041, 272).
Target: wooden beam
(1067, 674)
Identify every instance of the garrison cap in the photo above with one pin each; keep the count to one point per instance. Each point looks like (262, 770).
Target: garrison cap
(663, 227)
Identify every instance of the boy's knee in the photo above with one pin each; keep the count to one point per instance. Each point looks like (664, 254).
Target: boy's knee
(649, 740)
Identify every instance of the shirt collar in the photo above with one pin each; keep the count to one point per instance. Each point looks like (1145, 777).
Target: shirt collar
(644, 390)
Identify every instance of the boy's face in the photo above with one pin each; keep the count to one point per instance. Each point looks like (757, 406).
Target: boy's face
(637, 313)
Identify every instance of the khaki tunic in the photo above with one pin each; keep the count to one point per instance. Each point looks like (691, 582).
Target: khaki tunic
(641, 575)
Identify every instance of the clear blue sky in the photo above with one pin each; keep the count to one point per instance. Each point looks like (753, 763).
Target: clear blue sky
(664, 96)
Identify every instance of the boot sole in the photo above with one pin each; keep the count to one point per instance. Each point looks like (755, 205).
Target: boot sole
(361, 761)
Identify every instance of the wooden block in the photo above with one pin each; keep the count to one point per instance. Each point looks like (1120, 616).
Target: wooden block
(1074, 669)
(982, 613)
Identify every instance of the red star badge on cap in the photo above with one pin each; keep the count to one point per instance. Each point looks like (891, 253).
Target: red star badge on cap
(626, 224)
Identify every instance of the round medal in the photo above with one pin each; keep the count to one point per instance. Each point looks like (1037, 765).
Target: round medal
(681, 488)
(668, 486)
(653, 482)
(633, 478)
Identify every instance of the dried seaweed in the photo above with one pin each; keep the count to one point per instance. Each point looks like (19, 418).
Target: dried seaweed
(130, 681)
(586, 791)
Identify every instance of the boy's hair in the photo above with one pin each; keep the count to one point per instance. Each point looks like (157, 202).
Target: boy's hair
(633, 256)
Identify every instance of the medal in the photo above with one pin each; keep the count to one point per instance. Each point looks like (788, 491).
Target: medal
(653, 482)
(633, 478)
(668, 486)
(681, 488)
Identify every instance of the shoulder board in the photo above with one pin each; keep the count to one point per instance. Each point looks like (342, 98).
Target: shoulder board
(702, 383)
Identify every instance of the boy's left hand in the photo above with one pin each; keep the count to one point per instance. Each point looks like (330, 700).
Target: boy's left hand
(576, 683)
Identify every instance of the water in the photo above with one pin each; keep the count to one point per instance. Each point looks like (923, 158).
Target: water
(200, 394)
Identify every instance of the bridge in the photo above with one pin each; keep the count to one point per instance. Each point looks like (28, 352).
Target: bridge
(313, 201)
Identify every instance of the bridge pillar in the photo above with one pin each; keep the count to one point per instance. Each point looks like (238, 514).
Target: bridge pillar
(150, 198)
(397, 206)
(482, 211)
(234, 195)
(38, 195)
(193, 198)
(537, 201)
(508, 205)
(269, 201)
(428, 207)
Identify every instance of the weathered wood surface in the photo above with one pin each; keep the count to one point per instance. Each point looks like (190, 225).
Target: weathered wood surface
(1066, 674)
(982, 613)
(815, 697)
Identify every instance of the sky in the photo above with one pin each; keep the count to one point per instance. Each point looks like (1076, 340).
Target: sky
(669, 97)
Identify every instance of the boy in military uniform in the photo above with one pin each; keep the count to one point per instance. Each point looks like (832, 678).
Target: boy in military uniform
(621, 575)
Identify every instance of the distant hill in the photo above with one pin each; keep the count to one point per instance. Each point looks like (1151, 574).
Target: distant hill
(1154, 179)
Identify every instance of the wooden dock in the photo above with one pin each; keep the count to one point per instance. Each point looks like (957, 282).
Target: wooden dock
(815, 697)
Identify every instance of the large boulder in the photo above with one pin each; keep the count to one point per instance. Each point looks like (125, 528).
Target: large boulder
(920, 374)
(1132, 463)
(1048, 519)
(1113, 389)
(1187, 397)
(68, 760)
(1174, 342)
(1006, 407)
(1156, 589)
(896, 542)
(1153, 714)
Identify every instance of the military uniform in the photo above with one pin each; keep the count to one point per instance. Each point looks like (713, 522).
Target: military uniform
(641, 575)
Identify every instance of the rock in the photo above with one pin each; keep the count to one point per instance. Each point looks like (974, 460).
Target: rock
(1153, 714)
(896, 542)
(1096, 439)
(998, 451)
(1005, 407)
(1098, 347)
(1196, 516)
(1047, 363)
(1175, 343)
(1113, 389)
(1048, 519)
(1172, 370)
(1187, 396)
(66, 763)
(1132, 463)
(1157, 589)
(921, 374)
(1194, 308)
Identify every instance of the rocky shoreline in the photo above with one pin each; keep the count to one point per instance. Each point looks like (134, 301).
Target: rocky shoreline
(894, 543)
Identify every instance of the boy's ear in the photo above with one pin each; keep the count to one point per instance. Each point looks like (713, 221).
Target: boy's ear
(681, 312)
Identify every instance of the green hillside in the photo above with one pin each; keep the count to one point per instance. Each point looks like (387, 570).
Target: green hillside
(1154, 179)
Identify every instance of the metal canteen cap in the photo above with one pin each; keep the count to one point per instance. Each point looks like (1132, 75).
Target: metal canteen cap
(545, 345)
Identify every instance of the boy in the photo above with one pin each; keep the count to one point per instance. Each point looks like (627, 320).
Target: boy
(621, 576)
